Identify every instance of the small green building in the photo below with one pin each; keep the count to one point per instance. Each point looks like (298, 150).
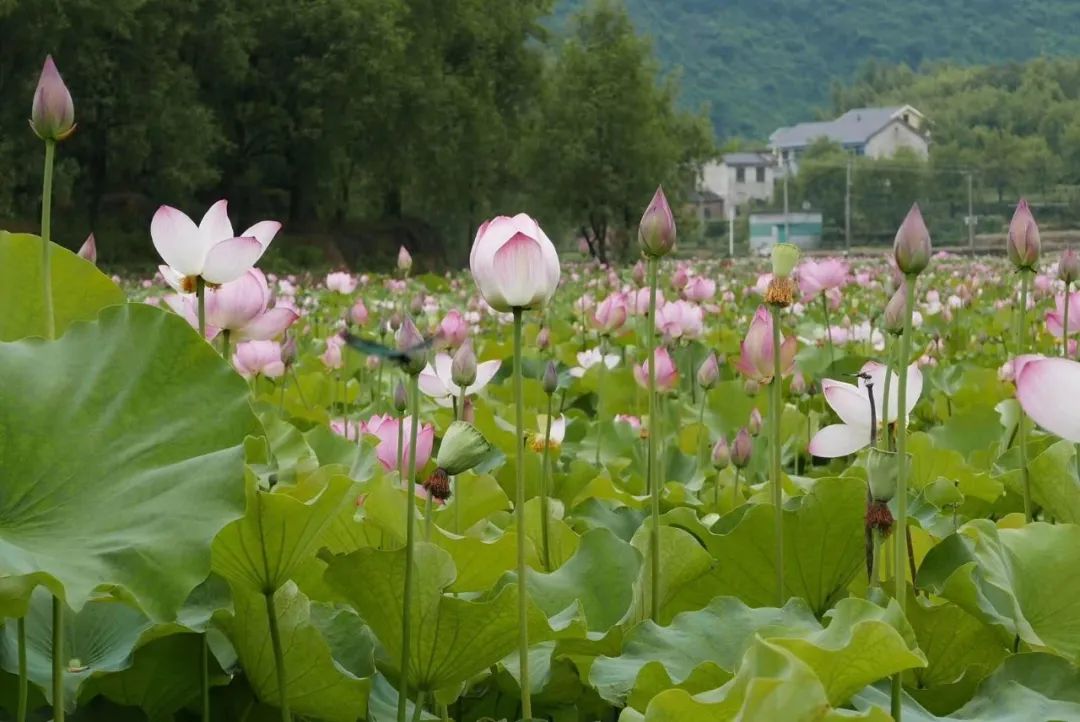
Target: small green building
(767, 229)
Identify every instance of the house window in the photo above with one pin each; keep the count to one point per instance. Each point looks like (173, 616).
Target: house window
(708, 214)
(760, 174)
(740, 175)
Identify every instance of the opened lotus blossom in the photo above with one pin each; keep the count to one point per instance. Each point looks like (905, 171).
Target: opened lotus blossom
(1055, 320)
(591, 357)
(210, 250)
(816, 277)
(680, 320)
(756, 353)
(852, 404)
(385, 428)
(436, 380)
(240, 307)
(1047, 389)
(259, 358)
(667, 374)
(341, 282)
(558, 433)
(514, 263)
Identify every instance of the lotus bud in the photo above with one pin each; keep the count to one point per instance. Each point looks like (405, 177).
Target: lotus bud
(359, 313)
(1069, 266)
(404, 260)
(543, 339)
(741, 449)
(785, 256)
(911, 248)
(1024, 243)
(798, 384)
(401, 398)
(656, 231)
(408, 341)
(680, 278)
(721, 454)
(416, 305)
(551, 378)
(88, 250)
(52, 115)
(709, 372)
(395, 321)
(462, 448)
(463, 367)
(288, 350)
(755, 422)
(895, 310)
(751, 387)
(638, 273)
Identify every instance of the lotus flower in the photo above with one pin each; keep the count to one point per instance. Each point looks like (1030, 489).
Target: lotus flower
(667, 375)
(332, 357)
(817, 277)
(358, 313)
(404, 260)
(514, 263)
(52, 115)
(558, 433)
(341, 282)
(453, 328)
(587, 359)
(1023, 241)
(852, 404)
(436, 380)
(240, 307)
(656, 230)
(1046, 389)
(699, 289)
(911, 247)
(385, 429)
(680, 319)
(259, 358)
(756, 353)
(1055, 320)
(209, 250)
(611, 313)
(88, 249)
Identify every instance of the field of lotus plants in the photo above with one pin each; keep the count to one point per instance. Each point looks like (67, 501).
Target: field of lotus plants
(692, 490)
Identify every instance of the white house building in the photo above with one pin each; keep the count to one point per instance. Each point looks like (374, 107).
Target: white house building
(736, 179)
(873, 132)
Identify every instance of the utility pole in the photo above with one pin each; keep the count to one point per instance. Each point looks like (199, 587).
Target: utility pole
(971, 214)
(847, 209)
(787, 222)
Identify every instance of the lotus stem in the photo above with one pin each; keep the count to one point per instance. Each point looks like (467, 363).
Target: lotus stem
(429, 514)
(545, 483)
(900, 536)
(702, 445)
(654, 429)
(46, 235)
(58, 659)
(279, 657)
(418, 708)
(599, 395)
(1065, 326)
(24, 687)
(225, 334)
(1021, 343)
(885, 394)
(519, 512)
(204, 670)
(200, 302)
(828, 329)
(410, 543)
(775, 409)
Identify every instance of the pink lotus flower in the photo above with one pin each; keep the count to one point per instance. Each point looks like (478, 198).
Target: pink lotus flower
(1046, 389)
(756, 353)
(341, 282)
(817, 277)
(209, 250)
(852, 404)
(359, 313)
(259, 358)
(611, 314)
(453, 329)
(632, 421)
(667, 375)
(680, 278)
(1023, 241)
(240, 307)
(1055, 319)
(514, 264)
(680, 319)
(699, 289)
(52, 115)
(88, 249)
(638, 302)
(385, 429)
(332, 357)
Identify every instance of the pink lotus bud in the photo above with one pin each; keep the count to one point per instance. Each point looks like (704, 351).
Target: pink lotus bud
(551, 378)
(1024, 243)
(401, 398)
(1069, 266)
(656, 231)
(680, 278)
(667, 374)
(751, 388)
(699, 289)
(463, 366)
(514, 264)
(754, 424)
(332, 357)
(741, 449)
(288, 350)
(416, 305)
(359, 313)
(756, 353)
(639, 273)
(404, 260)
(721, 454)
(88, 250)
(709, 372)
(408, 335)
(611, 314)
(453, 328)
(912, 245)
(798, 384)
(894, 316)
(52, 115)
(543, 339)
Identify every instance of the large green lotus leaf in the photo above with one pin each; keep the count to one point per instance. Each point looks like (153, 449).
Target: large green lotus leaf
(862, 644)
(79, 289)
(1013, 579)
(121, 446)
(476, 497)
(600, 577)
(279, 533)
(100, 637)
(772, 684)
(1026, 688)
(705, 642)
(452, 638)
(563, 542)
(929, 463)
(166, 675)
(1054, 484)
(317, 686)
(960, 652)
(684, 565)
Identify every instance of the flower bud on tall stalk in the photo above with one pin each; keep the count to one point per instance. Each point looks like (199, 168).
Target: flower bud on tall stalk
(1024, 247)
(551, 384)
(912, 251)
(656, 233)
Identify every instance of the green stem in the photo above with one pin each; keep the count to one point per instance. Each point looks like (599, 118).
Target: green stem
(885, 397)
(418, 708)
(519, 512)
(1065, 326)
(735, 488)
(702, 438)
(828, 328)
(225, 338)
(429, 514)
(654, 429)
(599, 395)
(775, 409)
(410, 543)
(279, 657)
(401, 446)
(24, 689)
(58, 660)
(204, 670)
(545, 490)
(900, 536)
(46, 238)
(200, 299)
(1021, 344)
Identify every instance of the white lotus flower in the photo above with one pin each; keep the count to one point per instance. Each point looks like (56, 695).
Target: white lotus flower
(590, 358)
(435, 380)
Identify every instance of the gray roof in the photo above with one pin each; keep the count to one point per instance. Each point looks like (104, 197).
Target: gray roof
(854, 127)
(749, 159)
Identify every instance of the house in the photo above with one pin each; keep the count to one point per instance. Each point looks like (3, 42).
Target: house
(707, 206)
(873, 132)
(767, 229)
(733, 181)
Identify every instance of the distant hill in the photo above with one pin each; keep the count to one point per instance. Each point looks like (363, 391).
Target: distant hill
(760, 64)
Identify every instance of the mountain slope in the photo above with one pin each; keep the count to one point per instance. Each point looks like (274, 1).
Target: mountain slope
(760, 64)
